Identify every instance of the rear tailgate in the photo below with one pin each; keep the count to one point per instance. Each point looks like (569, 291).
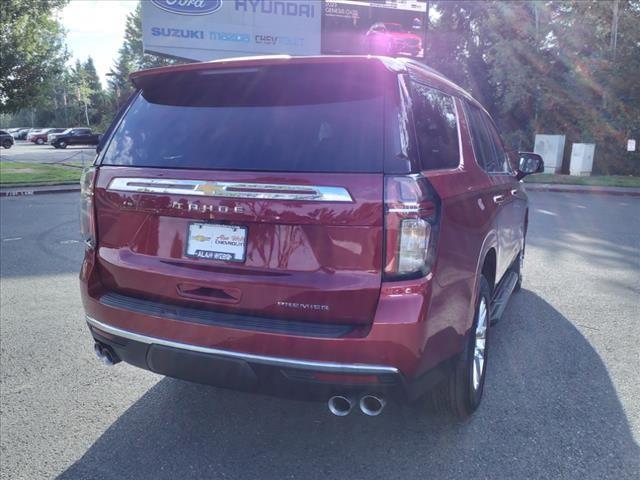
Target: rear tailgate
(304, 259)
(264, 200)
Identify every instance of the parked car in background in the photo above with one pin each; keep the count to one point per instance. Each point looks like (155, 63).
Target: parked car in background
(21, 133)
(6, 139)
(33, 131)
(346, 228)
(74, 136)
(387, 38)
(52, 136)
(41, 137)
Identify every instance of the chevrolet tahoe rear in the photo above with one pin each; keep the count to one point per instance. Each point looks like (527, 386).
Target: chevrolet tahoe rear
(280, 225)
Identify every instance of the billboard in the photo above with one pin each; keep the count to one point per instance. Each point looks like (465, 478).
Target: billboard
(213, 29)
(359, 27)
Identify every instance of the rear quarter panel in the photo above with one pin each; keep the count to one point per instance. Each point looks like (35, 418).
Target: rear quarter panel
(467, 233)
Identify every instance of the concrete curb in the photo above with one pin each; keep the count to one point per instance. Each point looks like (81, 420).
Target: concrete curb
(30, 190)
(548, 187)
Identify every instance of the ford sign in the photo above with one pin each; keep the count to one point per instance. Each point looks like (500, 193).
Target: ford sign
(189, 7)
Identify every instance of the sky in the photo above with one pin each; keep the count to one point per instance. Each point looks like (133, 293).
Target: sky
(96, 28)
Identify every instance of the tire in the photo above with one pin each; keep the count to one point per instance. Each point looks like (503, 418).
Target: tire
(39, 141)
(62, 144)
(461, 392)
(7, 144)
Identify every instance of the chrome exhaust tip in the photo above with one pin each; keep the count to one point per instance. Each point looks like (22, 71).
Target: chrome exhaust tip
(372, 405)
(107, 357)
(105, 354)
(340, 405)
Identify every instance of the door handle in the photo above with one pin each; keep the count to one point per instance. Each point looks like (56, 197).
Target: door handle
(514, 191)
(498, 198)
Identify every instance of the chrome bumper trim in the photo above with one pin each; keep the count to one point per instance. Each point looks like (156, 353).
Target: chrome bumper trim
(329, 367)
(256, 191)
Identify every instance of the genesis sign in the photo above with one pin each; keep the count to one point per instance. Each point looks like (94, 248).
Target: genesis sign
(213, 29)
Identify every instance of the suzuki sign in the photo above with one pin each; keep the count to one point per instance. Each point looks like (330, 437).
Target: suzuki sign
(213, 29)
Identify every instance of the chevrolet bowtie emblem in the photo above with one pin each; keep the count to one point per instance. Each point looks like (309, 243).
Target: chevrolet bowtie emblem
(201, 238)
(209, 189)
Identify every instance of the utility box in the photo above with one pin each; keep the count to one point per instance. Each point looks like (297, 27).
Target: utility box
(582, 158)
(551, 149)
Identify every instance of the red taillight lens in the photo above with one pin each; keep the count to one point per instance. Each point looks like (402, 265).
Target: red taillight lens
(87, 217)
(411, 214)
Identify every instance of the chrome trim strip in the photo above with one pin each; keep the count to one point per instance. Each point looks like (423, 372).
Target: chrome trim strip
(407, 207)
(259, 191)
(329, 367)
(404, 210)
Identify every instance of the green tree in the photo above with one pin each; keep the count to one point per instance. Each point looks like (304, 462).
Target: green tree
(33, 51)
(548, 67)
(98, 101)
(131, 57)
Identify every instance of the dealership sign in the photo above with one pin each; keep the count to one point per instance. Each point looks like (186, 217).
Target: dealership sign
(212, 29)
(189, 7)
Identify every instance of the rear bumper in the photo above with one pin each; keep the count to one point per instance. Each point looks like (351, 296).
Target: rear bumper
(401, 354)
(278, 376)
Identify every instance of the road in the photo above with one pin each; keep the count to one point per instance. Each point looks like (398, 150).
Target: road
(24, 151)
(561, 399)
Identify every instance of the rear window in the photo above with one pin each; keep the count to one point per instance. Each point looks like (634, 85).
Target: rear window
(302, 119)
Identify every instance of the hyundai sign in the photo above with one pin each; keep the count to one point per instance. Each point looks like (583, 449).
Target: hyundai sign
(213, 29)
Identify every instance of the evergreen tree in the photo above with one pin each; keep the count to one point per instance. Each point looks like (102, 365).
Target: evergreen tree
(131, 57)
(33, 51)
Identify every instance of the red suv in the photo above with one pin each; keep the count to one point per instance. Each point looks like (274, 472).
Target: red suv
(392, 39)
(344, 228)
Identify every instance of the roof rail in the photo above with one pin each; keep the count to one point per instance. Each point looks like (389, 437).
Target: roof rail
(424, 66)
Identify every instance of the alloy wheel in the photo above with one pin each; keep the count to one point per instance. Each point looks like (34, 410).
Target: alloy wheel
(480, 342)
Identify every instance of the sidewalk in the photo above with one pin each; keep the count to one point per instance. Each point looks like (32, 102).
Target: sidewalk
(558, 187)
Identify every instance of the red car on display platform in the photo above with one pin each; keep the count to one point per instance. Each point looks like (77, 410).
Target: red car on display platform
(386, 38)
(342, 228)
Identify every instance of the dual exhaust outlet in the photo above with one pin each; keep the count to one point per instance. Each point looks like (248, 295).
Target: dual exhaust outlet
(339, 405)
(371, 405)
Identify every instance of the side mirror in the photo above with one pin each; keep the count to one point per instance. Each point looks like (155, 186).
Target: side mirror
(529, 163)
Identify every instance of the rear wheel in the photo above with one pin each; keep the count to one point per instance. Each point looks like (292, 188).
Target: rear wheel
(461, 392)
(39, 141)
(7, 144)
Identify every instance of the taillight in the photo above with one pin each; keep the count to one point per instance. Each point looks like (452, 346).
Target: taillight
(411, 216)
(87, 216)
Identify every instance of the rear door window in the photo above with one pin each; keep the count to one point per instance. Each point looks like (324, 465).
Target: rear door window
(436, 127)
(307, 120)
(482, 140)
(501, 159)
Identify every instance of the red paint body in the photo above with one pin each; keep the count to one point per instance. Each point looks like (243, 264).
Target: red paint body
(307, 252)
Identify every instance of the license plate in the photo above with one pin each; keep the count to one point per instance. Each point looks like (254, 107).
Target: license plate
(217, 242)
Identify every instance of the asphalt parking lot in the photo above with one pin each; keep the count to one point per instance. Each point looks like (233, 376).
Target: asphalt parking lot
(561, 398)
(23, 151)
